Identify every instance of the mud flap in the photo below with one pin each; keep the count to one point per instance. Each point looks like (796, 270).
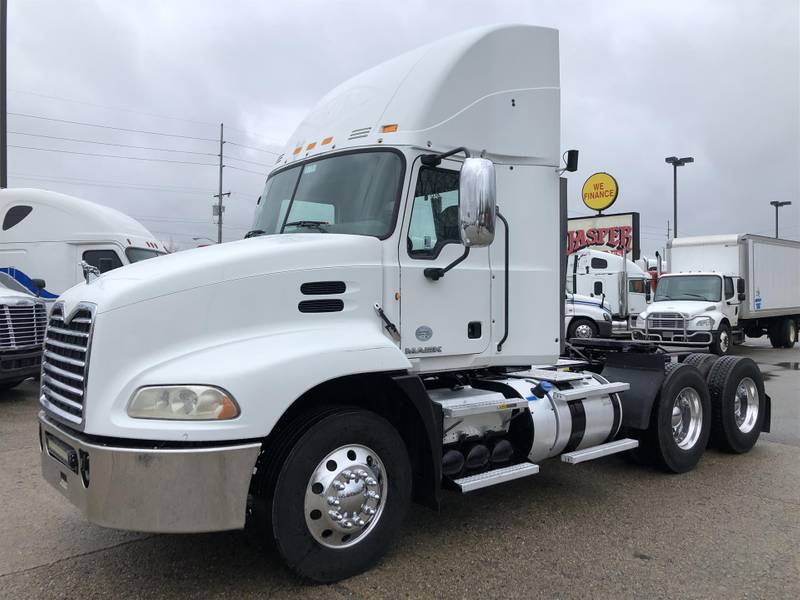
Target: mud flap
(645, 374)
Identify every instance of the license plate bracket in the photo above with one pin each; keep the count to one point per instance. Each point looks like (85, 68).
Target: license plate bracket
(62, 452)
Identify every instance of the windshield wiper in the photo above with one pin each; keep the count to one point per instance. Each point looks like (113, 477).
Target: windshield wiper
(254, 233)
(313, 224)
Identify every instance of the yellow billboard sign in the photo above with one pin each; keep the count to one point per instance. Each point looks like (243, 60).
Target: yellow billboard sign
(600, 191)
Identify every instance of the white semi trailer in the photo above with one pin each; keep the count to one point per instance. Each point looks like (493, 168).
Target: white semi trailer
(722, 288)
(375, 343)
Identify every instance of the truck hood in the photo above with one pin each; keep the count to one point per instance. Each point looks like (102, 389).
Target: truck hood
(688, 308)
(201, 267)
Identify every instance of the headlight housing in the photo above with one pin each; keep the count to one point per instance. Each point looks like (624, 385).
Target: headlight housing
(702, 323)
(183, 403)
(606, 316)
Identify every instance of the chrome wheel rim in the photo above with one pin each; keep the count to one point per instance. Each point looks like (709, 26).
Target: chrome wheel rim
(724, 340)
(745, 405)
(792, 332)
(583, 331)
(687, 418)
(345, 496)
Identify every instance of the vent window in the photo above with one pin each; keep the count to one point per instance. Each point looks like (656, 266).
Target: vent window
(14, 215)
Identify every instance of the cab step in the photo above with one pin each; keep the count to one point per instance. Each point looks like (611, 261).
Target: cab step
(466, 401)
(579, 456)
(482, 480)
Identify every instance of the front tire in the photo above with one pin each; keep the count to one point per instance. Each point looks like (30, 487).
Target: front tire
(721, 343)
(582, 328)
(341, 495)
(680, 424)
(737, 393)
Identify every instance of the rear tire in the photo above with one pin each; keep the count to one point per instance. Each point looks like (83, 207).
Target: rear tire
(788, 329)
(722, 342)
(738, 407)
(582, 328)
(327, 535)
(702, 361)
(680, 423)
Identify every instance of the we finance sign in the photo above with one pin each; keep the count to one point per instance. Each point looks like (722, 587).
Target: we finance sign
(618, 233)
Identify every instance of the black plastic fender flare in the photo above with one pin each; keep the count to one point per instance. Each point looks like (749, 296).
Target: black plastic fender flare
(645, 374)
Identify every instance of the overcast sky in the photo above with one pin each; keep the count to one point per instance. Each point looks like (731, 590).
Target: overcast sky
(718, 80)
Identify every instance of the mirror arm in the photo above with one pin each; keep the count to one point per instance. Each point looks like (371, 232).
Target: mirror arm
(505, 333)
(434, 160)
(436, 273)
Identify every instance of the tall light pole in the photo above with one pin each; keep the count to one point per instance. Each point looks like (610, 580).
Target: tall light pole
(777, 205)
(676, 162)
(3, 98)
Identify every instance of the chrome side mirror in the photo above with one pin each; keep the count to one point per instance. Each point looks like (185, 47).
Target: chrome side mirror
(477, 202)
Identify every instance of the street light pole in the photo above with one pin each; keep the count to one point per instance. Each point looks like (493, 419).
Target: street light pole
(777, 205)
(676, 162)
(3, 97)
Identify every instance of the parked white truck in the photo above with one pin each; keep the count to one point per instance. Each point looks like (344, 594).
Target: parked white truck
(48, 235)
(722, 288)
(620, 283)
(586, 317)
(376, 343)
(23, 318)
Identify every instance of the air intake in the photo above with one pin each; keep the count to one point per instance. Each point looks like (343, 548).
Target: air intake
(359, 133)
(321, 288)
(320, 306)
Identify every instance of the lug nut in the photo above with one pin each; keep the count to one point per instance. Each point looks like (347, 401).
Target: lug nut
(363, 474)
(347, 524)
(333, 501)
(335, 515)
(338, 485)
(371, 481)
(373, 494)
(369, 510)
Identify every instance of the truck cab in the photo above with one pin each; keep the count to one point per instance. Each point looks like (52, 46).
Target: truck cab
(23, 318)
(693, 309)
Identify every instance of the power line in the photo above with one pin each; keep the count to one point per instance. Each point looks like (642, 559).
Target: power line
(117, 108)
(161, 133)
(250, 162)
(107, 183)
(165, 160)
(245, 170)
(66, 139)
(252, 147)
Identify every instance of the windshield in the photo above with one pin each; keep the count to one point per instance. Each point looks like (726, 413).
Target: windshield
(137, 254)
(689, 287)
(354, 193)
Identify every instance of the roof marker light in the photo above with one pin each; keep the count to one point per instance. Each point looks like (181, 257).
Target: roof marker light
(297, 150)
(389, 128)
(311, 146)
(326, 141)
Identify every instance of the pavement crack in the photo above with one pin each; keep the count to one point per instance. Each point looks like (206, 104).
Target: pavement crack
(81, 555)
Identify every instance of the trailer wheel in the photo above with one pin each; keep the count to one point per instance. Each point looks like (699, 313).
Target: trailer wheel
(582, 328)
(788, 336)
(681, 420)
(737, 403)
(702, 361)
(341, 495)
(721, 343)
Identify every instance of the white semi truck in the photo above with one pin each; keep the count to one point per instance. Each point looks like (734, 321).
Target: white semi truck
(23, 318)
(49, 235)
(376, 343)
(722, 288)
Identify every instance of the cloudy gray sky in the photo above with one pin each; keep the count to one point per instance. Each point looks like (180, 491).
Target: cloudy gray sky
(719, 80)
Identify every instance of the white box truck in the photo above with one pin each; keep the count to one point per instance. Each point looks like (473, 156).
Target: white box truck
(722, 288)
(375, 343)
(47, 235)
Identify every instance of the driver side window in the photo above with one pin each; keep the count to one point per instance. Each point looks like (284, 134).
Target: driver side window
(434, 214)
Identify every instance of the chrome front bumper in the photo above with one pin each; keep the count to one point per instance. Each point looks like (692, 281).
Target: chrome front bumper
(675, 338)
(175, 490)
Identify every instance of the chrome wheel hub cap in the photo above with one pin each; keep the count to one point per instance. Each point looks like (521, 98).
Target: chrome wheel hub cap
(724, 341)
(345, 496)
(745, 405)
(583, 331)
(687, 418)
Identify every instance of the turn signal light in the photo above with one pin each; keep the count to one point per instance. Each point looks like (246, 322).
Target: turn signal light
(389, 128)
(327, 140)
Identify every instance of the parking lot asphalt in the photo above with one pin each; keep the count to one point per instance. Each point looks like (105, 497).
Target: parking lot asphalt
(604, 529)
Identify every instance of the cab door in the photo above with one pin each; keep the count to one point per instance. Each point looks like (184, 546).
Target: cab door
(452, 315)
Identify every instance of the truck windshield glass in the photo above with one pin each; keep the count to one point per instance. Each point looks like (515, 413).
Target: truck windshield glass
(689, 287)
(137, 254)
(353, 193)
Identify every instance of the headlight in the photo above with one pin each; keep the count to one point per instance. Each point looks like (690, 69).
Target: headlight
(702, 322)
(606, 316)
(183, 403)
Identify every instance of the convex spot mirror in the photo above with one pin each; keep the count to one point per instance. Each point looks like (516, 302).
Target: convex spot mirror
(477, 202)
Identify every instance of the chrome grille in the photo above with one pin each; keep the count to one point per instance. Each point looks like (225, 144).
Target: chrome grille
(22, 324)
(665, 321)
(65, 362)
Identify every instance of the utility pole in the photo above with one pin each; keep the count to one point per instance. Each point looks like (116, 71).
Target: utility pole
(219, 209)
(3, 98)
(668, 231)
